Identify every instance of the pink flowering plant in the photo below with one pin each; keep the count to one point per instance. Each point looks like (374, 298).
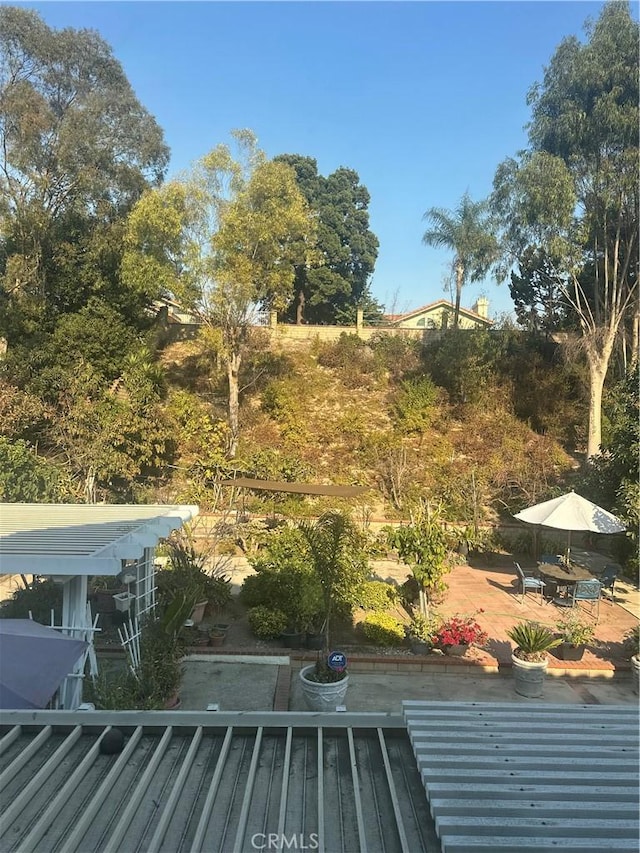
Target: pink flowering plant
(460, 631)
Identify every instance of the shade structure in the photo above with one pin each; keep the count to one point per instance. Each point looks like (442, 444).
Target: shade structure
(572, 512)
(296, 488)
(34, 660)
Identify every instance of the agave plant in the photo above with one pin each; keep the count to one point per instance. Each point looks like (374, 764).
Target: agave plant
(532, 640)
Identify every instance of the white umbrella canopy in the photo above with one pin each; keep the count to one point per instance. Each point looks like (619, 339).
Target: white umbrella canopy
(572, 512)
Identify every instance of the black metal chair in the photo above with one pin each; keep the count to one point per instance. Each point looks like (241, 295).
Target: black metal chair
(528, 581)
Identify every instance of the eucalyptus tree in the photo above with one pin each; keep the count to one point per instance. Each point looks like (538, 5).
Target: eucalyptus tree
(574, 193)
(76, 150)
(225, 240)
(465, 231)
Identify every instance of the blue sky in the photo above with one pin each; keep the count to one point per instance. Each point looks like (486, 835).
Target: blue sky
(422, 99)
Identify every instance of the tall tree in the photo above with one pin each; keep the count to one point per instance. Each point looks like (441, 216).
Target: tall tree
(466, 232)
(76, 149)
(225, 240)
(331, 292)
(575, 193)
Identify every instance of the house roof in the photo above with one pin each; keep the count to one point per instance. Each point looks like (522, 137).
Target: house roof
(432, 306)
(483, 776)
(81, 539)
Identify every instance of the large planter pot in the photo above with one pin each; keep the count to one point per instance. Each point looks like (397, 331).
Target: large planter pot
(292, 639)
(315, 641)
(457, 651)
(197, 614)
(529, 676)
(635, 673)
(323, 697)
(104, 601)
(216, 638)
(569, 651)
(418, 647)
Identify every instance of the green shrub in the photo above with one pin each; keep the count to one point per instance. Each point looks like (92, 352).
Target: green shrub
(285, 580)
(265, 623)
(41, 597)
(415, 404)
(382, 629)
(186, 575)
(348, 353)
(377, 596)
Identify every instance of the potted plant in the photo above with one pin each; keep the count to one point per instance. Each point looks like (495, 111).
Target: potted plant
(186, 574)
(456, 634)
(420, 633)
(323, 687)
(337, 554)
(216, 637)
(574, 634)
(632, 641)
(530, 657)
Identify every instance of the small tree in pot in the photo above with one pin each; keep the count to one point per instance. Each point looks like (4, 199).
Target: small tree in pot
(338, 556)
(422, 545)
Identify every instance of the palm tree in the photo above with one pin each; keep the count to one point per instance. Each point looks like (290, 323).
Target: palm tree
(466, 232)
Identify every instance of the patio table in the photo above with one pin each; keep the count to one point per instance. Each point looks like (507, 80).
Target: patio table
(561, 576)
(593, 561)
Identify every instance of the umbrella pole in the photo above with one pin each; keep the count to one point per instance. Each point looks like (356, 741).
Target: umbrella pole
(568, 547)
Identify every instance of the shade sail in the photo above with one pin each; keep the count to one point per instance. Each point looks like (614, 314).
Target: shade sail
(297, 488)
(34, 660)
(572, 512)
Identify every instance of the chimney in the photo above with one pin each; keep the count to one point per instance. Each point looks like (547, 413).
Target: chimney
(482, 307)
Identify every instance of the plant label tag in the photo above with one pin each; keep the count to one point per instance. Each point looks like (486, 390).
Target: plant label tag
(337, 661)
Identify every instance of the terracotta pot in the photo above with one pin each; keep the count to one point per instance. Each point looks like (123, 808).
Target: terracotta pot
(216, 639)
(173, 702)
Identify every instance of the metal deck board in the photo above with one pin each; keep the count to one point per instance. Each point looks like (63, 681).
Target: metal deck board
(495, 782)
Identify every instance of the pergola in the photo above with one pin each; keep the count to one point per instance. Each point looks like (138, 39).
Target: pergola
(70, 542)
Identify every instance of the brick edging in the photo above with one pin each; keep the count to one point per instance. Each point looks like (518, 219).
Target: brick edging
(411, 663)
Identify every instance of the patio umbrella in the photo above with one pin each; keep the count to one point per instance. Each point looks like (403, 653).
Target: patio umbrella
(572, 512)
(34, 660)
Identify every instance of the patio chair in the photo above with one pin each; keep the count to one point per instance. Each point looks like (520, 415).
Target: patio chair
(608, 580)
(583, 591)
(528, 581)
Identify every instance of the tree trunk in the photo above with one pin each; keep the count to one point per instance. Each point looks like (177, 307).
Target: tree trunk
(300, 309)
(459, 282)
(233, 372)
(597, 373)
